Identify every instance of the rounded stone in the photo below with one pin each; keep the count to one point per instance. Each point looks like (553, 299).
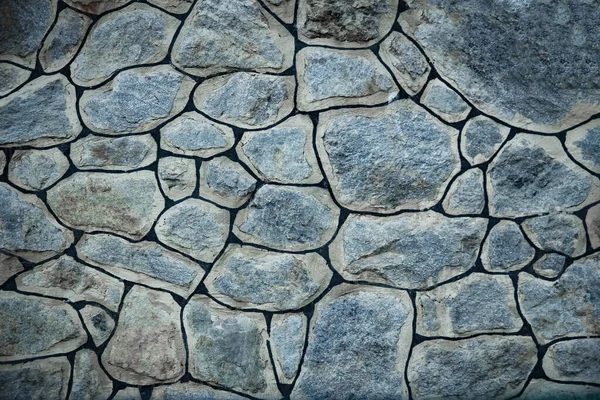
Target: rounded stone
(113, 154)
(550, 265)
(506, 248)
(574, 360)
(466, 194)
(37, 169)
(98, 323)
(177, 177)
(563, 233)
(583, 143)
(226, 182)
(445, 102)
(481, 137)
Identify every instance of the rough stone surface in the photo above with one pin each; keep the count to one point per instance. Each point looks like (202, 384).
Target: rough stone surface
(584, 145)
(191, 391)
(9, 267)
(130, 393)
(173, 6)
(98, 323)
(226, 182)
(481, 137)
(96, 6)
(12, 77)
(37, 169)
(284, 9)
(444, 101)
(541, 389)
(408, 64)
(113, 154)
(506, 249)
(592, 222)
(574, 360)
(563, 233)
(466, 194)
(90, 382)
(177, 177)
(46, 379)
(550, 265)
(288, 332)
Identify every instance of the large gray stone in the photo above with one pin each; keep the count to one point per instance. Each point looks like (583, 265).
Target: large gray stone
(113, 154)
(226, 182)
(445, 102)
(506, 249)
(288, 332)
(481, 137)
(96, 6)
(90, 382)
(550, 265)
(177, 177)
(12, 77)
(574, 360)
(37, 169)
(407, 63)
(541, 389)
(98, 323)
(173, 6)
(191, 391)
(46, 379)
(9, 267)
(584, 145)
(466, 194)
(563, 233)
(592, 223)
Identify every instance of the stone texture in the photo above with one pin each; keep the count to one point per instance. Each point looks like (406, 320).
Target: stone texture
(90, 382)
(288, 332)
(237, 35)
(37, 169)
(96, 6)
(130, 393)
(408, 64)
(173, 6)
(381, 159)
(288, 218)
(284, 9)
(9, 267)
(550, 265)
(481, 137)
(12, 77)
(563, 233)
(592, 222)
(411, 251)
(445, 102)
(98, 323)
(466, 194)
(113, 154)
(506, 249)
(147, 347)
(541, 389)
(250, 278)
(2, 161)
(574, 360)
(46, 379)
(226, 182)
(177, 177)
(191, 391)
(583, 144)
(358, 345)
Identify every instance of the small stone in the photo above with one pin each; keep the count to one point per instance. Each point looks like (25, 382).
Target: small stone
(46, 379)
(409, 251)
(96, 6)
(194, 227)
(113, 154)
(288, 218)
(147, 347)
(250, 278)
(563, 233)
(12, 77)
(541, 389)
(466, 194)
(445, 102)
(284, 9)
(173, 6)
(177, 177)
(550, 265)
(98, 323)
(131, 393)
(90, 382)
(329, 78)
(592, 222)
(246, 100)
(574, 360)
(9, 267)
(506, 249)
(191, 391)
(481, 139)
(288, 332)
(583, 144)
(2, 161)
(226, 182)
(37, 169)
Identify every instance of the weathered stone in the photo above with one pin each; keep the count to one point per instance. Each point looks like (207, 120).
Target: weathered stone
(229, 348)
(563, 233)
(506, 249)
(574, 360)
(90, 382)
(329, 78)
(130, 393)
(12, 77)
(2, 161)
(143, 262)
(173, 6)
(248, 277)
(541, 389)
(126, 204)
(191, 391)
(284, 9)
(288, 332)
(135, 35)
(246, 100)
(412, 250)
(194, 227)
(288, 218)
(484, 367)
(226, 182)
(46, 379)
(584, 145)
(550, 265)
(477, 303)
(592, 222)
(113, 154)
(98, 323)
(445, 102)
(177, 177)
(381, 159)
(37, 169)
(408, 64)
(358, 345)
(147, 347)
(9, 267)
(466, 194)
(96, 6)
(136, 100)
(481, 137)
(35, 326)
(237, 35)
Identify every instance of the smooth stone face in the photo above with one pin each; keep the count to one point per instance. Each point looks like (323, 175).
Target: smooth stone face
(248, 277)
(130, 393)
(284, 9)
(9, 267)
(481, 139)
(583, 144)
(288, 332)
(191, 391)
(358, 345)
(550, 265)
(226, 182)
(41, 379)
(563, 233)
(574, 360)
(96, 6)
(89, 380)
(445, 102)
(380, 159)
(37, 169)
(98, 322)
(411, 251)
(466, 194)
(177, 177)
(506, 249)
(113, 154)
(408, 64)
(173, 6)
(592, 222)
(540, 389)
(12, 77)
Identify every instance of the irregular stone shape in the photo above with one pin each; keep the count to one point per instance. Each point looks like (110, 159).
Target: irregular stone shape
(229, 348)
(226, 182)
(135, 35)
(284, 9)
(329, 78)
(12, 77)
(380, 159)
(37, 169)
(574, 360)
(238, 35)
(481, 137)
(40, 379)
(592, 222)
(550, 265)
(191, 134)
(246, 100)
(288, 332)
(136, 100)
(96, 6)
(191, 390)
(173, 6)
(358, 345)
(143, 262)
(408, 64)
(484, 367)
(40, 114)
(28, 229)
(288, 218)
(98, 323)
(412, 250)
(533, 175)
(506, 249)
(89, 380)
(541, 389)
(35, 326)
(445, 102)
(477, 303)
(583, 144)
(9, 267)
(345, 24)
(126, 204)
(194, 227)
(563, 233)
(248, 277)
(466, 194)
(177, 177)
(147, 347)
(130, 393)
(113, 154)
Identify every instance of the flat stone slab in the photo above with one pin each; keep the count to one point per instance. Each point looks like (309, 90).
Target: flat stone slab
(40, 379)
(89, 379)
(574, 360)
(113, 154)
(226, 182)
(177, 177)
(191, 390)
(481, 138)
(98, 323)
(37, 169)
(13, 76)
(96, 7)
(541, 389)
(466, 194)
(288, 333)
(563, 233)
(405, 60)
(583, 143)
(445, 102)
(506, 249)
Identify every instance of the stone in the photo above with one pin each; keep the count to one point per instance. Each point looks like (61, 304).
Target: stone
(466, 194)
(35, 327)
(194, 227)
(550, 265)
(2, 161)
(282, 154)
(484, 367)
(113, 154)
(246, 100)
(40, 114)
(481, 138)
(191, 391)
(592, 222)
(541, 389)
(143, 262)
(506, 249)
(381, 160)
(96, 6)
(445, 102)
(226, 182)
(583, 143)
(173, 6)
(37, 169)
(358, 345)
(177, 177)
(229, 348)
(46, 379)
(219, 37)
(98, 323)
(9, 267)
(130, 393)
(13, 76)
(409, 251)
(136, 100)
(563, 233)
(122, 203)
(574, 360)
(90, 382)
(137, 34)
(251, 278)
(477, 303)
(288, 332)
(147, 346)
(329, 78)
(288, 218)
(284, 9)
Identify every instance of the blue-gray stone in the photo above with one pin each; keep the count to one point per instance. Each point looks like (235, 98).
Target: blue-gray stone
(506, 249)
(288, 332)
(550, 265)
(46, 379)
(481, 139)
(574, 360)
(563, 233)
(466, 194)
(64, 40)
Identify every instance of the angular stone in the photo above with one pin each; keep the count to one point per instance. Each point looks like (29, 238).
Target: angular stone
(408, 64)
(147, 347)
(96, 6)
(445, 102)
(136, 100)
(358, 345)
(173, 6)
(89, 380)
(177, 177)
(192, 391)
(237, 35)
(592, 222)
(143, 262)
(484, 367)
(481, 137)
(250, 278)
(541, 389)
(135, 35)
(381, 159)
(229, 348)
(583, 144)
(506, 249)
(194, 227)
(12, 77)
(288, 332)
(130, 393)
(284, 9)
(411, 251)
(9, 267)
(35, 326)
(46, 379)
(37, 169)
(246, 100)
(574, 360)
(563, 233)
(113, 154)
(550, 265)
(329, 78)
(98, 323)
(466, 194)
(126, 204)
(226, 182)
(288, 218)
